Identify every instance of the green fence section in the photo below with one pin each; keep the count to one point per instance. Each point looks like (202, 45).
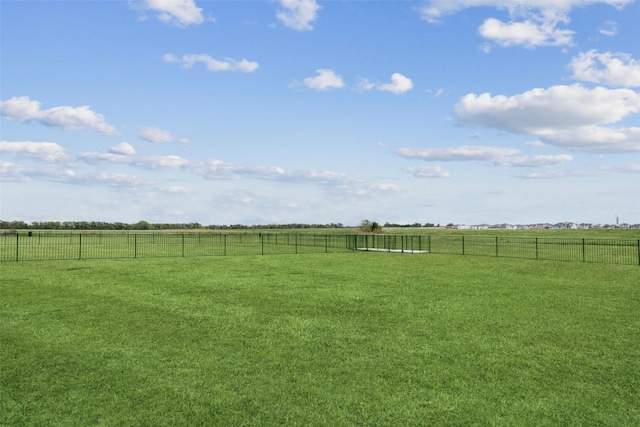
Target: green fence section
(33, 246)
(60, 246)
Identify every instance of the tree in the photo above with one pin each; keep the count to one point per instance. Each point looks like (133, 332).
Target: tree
(367, 226)
(142, 225)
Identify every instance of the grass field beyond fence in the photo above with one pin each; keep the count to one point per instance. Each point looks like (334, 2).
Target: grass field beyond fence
(319, 340)
(42, 246)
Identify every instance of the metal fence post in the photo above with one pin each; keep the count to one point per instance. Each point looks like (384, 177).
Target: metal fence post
(182, 245)
(496, 246)
(462, 245)
(135, 245)
(583, 249)
(17, 246)
(80, 246)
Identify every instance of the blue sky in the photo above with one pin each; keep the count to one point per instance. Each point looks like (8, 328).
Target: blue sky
(303, 111)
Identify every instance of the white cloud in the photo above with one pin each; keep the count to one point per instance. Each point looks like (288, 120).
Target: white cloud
(11, 172)
(177, 189)
(113, 180)
(145, 162)
(567, 116)
(325, 79)
(24, 109)
(558, 107)
(498, 156)
(153, 134)
(534, 161)
(611, 69)
(485, 48)
(461, 153)
(435, 171)
(364, 85)
(214, 169)
(105, 157)
(49, 152)
(610, 29)
(214, 65)
(528, 34)
(532, 22)
(21, 108)
(132, 183)
(384, 187)
(435, 10)
(170, 58)
(626, 168)
(536, 143)
(218, 169)
(399, 84)
(161, 162)
(321, 177)
(298, 14)
(123, 148)
(548, 175)
(595, 139)
(555, 174)
(180, 13)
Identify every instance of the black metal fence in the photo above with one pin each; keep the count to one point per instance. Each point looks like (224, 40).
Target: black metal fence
(42, 246)
(612, 251)
(32, 246)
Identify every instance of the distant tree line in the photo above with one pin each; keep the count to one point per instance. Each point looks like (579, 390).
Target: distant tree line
(414, 225)
(144, 225)
(365, 225)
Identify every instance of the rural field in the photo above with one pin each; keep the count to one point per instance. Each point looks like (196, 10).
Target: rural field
(361, 338)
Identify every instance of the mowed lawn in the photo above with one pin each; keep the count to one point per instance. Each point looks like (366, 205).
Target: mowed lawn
(371, 339)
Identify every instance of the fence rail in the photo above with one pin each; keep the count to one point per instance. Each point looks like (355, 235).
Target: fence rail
(33, 246)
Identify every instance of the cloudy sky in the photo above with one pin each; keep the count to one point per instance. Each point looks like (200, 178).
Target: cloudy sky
(256, 112)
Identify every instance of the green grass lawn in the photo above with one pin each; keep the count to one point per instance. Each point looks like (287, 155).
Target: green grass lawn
(326, 339)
